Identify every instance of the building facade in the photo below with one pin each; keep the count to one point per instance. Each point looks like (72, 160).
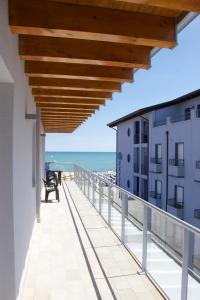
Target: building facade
(158, 155)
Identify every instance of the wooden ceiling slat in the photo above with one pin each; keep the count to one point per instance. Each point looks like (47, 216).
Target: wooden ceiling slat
(182, 5)
(67, 111)
(42, 48)
(64, 101)
(39, 17)
(67, 84)
(77, 71)
(68, 106)
(71, 93)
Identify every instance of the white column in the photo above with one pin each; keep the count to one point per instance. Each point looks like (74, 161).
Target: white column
(38, 164)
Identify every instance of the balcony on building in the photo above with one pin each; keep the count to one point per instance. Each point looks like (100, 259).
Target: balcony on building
(136, 168)
(155, 198)
(176, 167)
(175, 208)
(197, 213)
(144, 138)
(158, 123)
(198, 164)
(144, 169)
(156, 164)
(136, 138)
(181, 117)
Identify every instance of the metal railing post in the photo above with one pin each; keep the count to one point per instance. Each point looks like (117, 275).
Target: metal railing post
(84, 182)
(144, 242)
(109, 205)
(100, 195)
(93, 188)
(185, 264)
(88, 186)
(123, 219)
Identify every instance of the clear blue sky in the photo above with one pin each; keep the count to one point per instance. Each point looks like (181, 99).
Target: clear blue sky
(173, 73)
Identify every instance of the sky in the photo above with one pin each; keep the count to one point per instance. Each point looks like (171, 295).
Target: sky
(173, 73)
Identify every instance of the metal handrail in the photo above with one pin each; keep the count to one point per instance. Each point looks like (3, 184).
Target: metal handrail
(156, 160)
(176, 220)
(176, 162)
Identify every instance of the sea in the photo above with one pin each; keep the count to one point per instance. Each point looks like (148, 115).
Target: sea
(94, 161)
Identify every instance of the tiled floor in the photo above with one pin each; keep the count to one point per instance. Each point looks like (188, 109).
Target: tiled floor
(57, 269)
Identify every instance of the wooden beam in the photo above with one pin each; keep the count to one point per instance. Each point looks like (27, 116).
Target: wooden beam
(68, 106)
(78, 71)
(74, 84)
(42, 48)
(48, 18)
(182, 5)
(46, 116)
(69, 110)
(88, 102)
(71, 94)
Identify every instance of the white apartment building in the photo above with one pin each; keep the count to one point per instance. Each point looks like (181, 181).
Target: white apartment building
(158, 155)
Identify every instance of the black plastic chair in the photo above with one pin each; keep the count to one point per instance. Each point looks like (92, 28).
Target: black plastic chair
(51, 186)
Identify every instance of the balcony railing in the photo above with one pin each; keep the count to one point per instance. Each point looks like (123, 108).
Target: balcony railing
(173, 202)
(144, 230)
(144, 169)
(176, 162)
(198, 164)
(156, 160)
(136, 168)
(197, 213)
(155, 195)
(160, 123)
(144, 138)
(181, 117)
(136, 138)
(198, 113)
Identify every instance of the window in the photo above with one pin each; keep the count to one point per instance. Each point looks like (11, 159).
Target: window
(158, 153)
(137, 132)
(187, 113)
(128, 132)
(128, 157)
(128, 183)
(179, 195)
(158, 187)
(136, 189)
(179, 153)
(136, 159)
(198, 111)
(119, 156)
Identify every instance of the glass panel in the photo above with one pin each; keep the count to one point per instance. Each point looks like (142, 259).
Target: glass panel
(96, 192)
(104, 200)
(194, 268)
(116, 204)
(133, 226)
(164, 253)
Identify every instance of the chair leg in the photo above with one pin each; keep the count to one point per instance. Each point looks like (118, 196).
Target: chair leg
(46, 195)
(57, 195)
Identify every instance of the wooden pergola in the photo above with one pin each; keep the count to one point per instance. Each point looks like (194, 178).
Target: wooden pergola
(78, 52)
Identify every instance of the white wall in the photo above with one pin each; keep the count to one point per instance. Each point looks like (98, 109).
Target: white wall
(17, 137)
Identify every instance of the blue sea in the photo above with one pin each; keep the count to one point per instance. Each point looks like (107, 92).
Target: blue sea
(94, 161)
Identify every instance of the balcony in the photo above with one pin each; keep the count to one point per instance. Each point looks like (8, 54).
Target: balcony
(155, 195)
(136, 168)
(155, 198)
(181, 117)
(176, 167)
(197, 213)
(136, 138)
(198, 113)
(198, 164)
(160, 248)
(160, 123)
(144, 169)
(156, 164)
(175, 208)
(144, 138)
